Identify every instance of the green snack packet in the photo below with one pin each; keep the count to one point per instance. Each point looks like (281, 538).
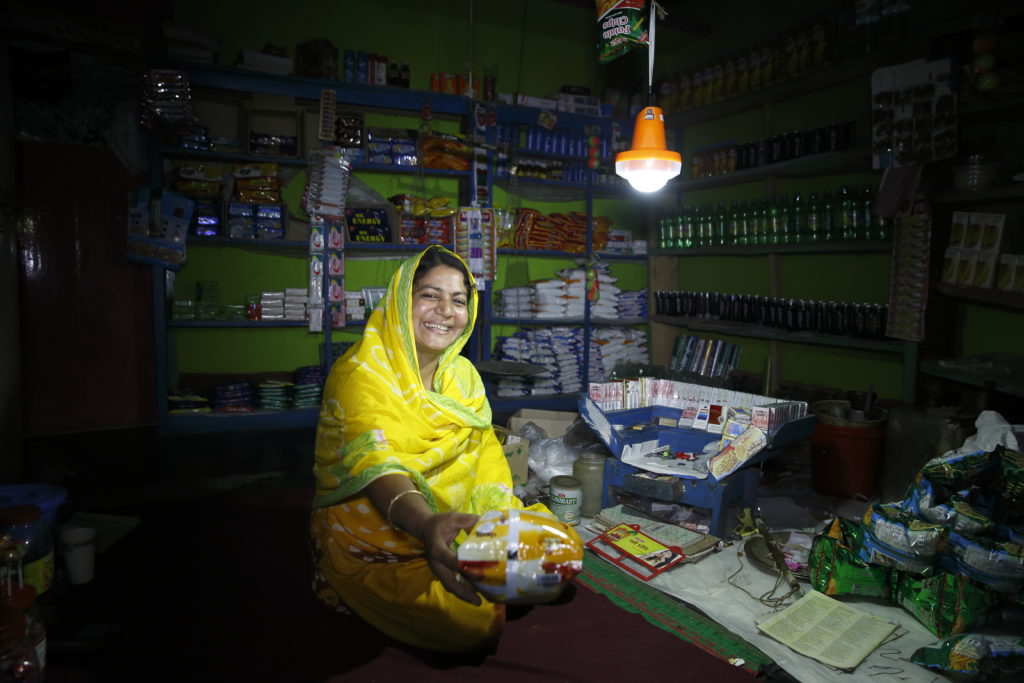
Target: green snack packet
(947, 604)
(1010, 485)
(836, 570)
(956, 471)
(973, 657)
(623, 26)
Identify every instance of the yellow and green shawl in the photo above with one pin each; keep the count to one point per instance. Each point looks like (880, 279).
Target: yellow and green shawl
(377, 418)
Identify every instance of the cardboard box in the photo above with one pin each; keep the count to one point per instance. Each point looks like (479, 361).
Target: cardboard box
(554, 423)
(516, 454)
(539, 102)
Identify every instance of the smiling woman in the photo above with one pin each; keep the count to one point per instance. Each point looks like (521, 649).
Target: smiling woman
(441, 292)
(406, 461)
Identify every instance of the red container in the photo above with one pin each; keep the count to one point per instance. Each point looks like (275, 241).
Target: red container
(847, 461)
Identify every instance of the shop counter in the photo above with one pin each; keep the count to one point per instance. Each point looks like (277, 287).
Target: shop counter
(619, 428)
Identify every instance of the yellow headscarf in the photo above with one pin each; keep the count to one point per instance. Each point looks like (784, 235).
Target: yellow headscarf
(377, 418)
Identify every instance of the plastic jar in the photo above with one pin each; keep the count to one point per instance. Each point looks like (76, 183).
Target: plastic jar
(589, 470)
(37, 566)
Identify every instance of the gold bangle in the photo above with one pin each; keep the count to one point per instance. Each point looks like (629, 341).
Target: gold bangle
(395, 500)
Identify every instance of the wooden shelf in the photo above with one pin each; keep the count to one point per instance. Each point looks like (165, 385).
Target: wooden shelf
(812, 165)
(357, 166)
(559, 322)
(256, 421)
(1006, 374)
(507, 251)
(825, 77)
(782, 335)
(835, 247)
(990, 297)
(1010, 193)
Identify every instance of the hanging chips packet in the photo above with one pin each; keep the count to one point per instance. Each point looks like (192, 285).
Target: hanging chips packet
(623, 26)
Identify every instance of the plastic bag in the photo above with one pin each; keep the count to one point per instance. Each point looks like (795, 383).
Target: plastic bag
(521, 556)
(622, 25)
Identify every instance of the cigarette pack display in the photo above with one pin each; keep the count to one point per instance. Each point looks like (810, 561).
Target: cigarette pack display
(950, 263)
(984, 270)
(958, 228)
(992, 233)
(975, 228)
(1006, 273)
(965, 268)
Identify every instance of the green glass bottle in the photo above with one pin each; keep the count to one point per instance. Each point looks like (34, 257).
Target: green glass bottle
(849, 212)
(776, 221)
(721, 225)
(687, 227)
(743, 223)
(868, 220)
(829, 224)
(764, 220)
(813, 221)
(733, 235)
(796, 220)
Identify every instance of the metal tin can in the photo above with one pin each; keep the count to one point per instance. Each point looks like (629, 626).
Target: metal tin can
(565, 498)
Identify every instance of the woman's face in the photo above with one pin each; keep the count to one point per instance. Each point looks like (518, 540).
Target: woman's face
(440, 310)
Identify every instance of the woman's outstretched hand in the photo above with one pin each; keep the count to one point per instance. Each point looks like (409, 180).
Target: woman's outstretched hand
(438, 533)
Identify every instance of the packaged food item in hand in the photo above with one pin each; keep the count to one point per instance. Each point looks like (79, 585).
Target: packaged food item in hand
(521, 556)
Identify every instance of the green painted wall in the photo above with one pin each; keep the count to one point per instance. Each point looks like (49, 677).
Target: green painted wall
(535, 47)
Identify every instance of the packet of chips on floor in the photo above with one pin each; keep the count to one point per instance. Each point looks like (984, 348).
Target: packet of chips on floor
(623, 26)
(973, 657)
(946, 603)
(835, 568)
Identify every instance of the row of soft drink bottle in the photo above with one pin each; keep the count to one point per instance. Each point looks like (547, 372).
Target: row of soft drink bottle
(847, 215)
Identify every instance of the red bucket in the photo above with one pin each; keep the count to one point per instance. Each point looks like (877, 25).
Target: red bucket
(847, 461)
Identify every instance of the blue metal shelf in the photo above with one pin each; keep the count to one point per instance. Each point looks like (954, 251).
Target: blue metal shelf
(389, 100)
(270, 245)
(508, 406)
(558, 322)
(352, 94)
(359, 166)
